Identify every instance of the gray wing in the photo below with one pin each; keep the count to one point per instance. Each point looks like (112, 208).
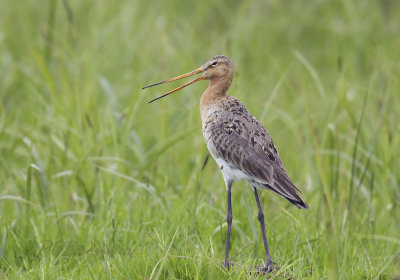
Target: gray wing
(241, 140)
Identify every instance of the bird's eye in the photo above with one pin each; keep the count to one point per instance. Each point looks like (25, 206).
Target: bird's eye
(214, 63)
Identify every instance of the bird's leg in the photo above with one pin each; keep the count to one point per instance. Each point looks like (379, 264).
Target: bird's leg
(229, 223)
(264, 234)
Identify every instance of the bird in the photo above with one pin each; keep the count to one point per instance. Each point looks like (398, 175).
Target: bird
(239, 143)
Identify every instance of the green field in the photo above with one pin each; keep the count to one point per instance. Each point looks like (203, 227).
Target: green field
(95, 183)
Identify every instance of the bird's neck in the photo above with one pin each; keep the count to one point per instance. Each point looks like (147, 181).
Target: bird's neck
(216, 91)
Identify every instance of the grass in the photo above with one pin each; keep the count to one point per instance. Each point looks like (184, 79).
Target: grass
(97, 184)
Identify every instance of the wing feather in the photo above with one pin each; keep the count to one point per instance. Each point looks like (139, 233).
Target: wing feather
(242, 141)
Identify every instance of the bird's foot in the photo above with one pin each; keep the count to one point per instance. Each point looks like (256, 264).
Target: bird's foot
(269, 265)
(266, 268)
(226, 264)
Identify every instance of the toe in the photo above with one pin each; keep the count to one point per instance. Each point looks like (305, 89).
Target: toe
(269, 265)
(226, 265)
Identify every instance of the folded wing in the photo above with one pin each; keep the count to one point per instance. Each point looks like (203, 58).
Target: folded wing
(244, 143)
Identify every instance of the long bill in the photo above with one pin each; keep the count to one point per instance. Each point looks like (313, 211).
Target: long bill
(178, 88)
(194, 72)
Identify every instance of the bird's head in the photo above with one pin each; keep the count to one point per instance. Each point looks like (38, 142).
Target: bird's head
(217, 67)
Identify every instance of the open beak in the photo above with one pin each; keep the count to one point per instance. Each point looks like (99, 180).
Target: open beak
(194, 72)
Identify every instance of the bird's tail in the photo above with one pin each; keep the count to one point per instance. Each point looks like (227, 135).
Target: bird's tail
(283, 185)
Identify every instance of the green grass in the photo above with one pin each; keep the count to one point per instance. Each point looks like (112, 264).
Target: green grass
(97, 184)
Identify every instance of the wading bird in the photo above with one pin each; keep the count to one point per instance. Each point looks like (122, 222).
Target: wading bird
(238, 142)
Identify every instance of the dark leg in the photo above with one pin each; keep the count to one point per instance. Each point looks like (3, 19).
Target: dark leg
(264, 234)
(229, 223)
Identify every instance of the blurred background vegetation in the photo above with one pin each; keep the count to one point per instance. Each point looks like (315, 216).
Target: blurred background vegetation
(96, 183)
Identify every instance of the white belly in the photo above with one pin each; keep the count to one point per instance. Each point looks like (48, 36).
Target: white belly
(230, 172)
